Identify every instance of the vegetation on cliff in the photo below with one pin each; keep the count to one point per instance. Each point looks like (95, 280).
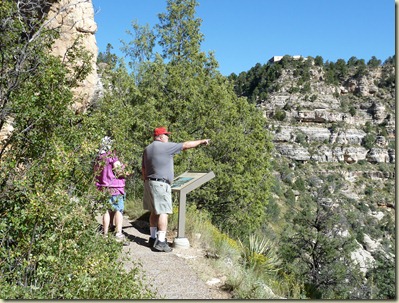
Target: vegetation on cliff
(297, 222)
(332, 199)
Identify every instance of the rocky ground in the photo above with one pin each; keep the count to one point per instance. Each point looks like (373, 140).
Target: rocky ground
(185, 273)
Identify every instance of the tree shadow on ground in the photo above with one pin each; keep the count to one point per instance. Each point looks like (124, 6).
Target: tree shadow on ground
(142, 223)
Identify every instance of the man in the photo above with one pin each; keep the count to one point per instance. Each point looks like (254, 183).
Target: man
(158, 173)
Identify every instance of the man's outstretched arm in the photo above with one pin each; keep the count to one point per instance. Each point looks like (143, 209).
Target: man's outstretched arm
(192, 144)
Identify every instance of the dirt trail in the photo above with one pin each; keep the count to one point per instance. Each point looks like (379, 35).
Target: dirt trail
(182, 274)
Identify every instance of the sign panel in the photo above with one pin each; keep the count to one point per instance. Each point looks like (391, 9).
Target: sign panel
(190, 180)
(180, 181)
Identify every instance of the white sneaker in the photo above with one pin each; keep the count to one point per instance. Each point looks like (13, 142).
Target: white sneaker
(119, 237)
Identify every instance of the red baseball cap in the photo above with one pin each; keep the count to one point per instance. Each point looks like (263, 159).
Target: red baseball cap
(161, 131)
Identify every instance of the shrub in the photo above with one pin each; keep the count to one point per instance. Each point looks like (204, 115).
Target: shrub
(279, 115)
(352, 111)
(313, 98)
(369, 191)
(368, 141)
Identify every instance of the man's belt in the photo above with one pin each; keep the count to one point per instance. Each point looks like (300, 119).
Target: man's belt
(159, 180)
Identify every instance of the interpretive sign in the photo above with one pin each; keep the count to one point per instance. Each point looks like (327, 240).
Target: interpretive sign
(180, 181)
(182, 185)
(191, 180)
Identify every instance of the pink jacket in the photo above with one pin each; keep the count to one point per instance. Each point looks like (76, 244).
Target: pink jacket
(105, 175)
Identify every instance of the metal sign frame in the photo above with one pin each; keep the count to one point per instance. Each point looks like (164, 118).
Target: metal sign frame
(184, 184)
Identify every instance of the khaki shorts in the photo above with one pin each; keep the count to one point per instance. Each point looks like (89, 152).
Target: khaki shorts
(157, 197)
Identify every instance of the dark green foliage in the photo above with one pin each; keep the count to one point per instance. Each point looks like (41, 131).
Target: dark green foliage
(259, 80)
(352, 61)
(388, 74)
(330, 75)
(301, 138)
(313, 249)
(352, 111)
(379, 276)
(340, 69)
(374, 62)
(313, 98)
(280, 115)
(368, 127)
(49, 246)
(306, 88)
(299, 184)
(318, 61)
(390, 60)
(108, 57)
(368, 191)
(368, 141)
(335, 72)
(320, 229)
(183, 91)
(361, 69)
(293, 90)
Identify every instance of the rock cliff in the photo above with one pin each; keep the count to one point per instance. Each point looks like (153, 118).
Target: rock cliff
(319, 119)
(346, 128)
(75, 20)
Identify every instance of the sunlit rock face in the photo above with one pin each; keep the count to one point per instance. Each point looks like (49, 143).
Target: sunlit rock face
(74, 19)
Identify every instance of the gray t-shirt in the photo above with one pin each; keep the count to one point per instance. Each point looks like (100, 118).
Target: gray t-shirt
(158, 159)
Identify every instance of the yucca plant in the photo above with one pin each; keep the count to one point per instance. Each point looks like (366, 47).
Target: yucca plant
(260, 255)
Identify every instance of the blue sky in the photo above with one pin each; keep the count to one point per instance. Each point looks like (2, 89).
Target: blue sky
(243, 33)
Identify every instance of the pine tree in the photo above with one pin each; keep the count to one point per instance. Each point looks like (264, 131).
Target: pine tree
(183, 90)
(315, 247)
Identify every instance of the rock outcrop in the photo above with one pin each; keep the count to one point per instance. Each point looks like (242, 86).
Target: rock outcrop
(346, 129)
(323, 120)
(75, 19)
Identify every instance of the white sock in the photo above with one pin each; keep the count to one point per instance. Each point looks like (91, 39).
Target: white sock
(153, 232)
(161, 236)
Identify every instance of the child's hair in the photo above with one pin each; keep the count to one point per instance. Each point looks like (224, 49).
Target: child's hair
(106, 145)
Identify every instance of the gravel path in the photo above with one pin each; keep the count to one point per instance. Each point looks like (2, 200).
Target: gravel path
(182, 274)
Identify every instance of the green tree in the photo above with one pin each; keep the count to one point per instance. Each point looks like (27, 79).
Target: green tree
(390, 60)
(141, 48)
(330, 73)
(361, 68)
(49, 248)
(341, 69)
(108, 57)
(352, 110)
(379, 277)
(183, 90)
(318, 61)
(314, 249)
(374, 62)
(352, 61)
(179, 32)
(368, 141)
